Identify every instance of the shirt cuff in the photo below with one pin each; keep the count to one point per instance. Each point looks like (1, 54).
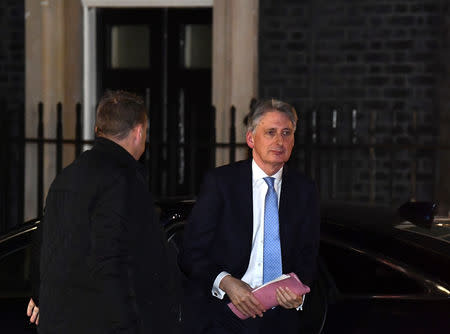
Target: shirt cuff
(216, 291)
(300, 308)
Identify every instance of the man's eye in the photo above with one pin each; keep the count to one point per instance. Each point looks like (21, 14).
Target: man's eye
(271, 133)
(286, 133)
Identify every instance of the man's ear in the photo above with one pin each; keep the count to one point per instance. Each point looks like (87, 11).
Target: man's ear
(249, 138)
(137, 133)
(141, 131)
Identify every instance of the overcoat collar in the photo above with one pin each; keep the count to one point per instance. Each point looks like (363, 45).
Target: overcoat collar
(121, 155)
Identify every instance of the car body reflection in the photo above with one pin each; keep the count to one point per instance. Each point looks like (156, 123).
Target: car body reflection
(377, 271)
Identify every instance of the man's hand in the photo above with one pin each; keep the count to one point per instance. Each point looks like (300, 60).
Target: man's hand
(241, 296)
(33, 312)
(287, 299)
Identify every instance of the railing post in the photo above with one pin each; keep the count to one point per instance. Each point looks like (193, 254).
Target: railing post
(353, 142)
(372, 157)
(232, 157)
(392, 155)
(333, 169)
(172, 175)
(316, 142)
(194, 146)
(3, 166)
(212, 143)
(40, 172)
(78, 130)
(156, 147)
(414, 156)
(436, 153)
(59, 137)
(308, 143)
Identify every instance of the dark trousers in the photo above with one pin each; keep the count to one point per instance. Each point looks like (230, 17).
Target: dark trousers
(205, 314)
(277, 320)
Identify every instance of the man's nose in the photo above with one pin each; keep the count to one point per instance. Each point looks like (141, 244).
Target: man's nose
(279, 138)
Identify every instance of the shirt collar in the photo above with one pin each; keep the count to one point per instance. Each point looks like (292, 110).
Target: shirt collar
(258, 173)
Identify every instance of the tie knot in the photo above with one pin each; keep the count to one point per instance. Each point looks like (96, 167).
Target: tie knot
(269, 180)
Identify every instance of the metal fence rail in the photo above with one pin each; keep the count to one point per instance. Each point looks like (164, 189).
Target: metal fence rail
(352, 161)
(172, 146)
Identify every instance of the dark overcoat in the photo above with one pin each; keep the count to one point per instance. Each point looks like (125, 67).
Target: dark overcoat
(105, 265)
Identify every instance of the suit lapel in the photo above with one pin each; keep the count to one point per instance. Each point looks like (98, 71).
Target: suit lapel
(287, 205)
(245, 193)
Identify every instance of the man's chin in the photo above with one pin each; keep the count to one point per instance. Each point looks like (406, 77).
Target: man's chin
(279, 158)
(277, 162)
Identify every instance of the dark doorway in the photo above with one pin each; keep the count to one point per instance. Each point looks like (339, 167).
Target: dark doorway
(164, 55)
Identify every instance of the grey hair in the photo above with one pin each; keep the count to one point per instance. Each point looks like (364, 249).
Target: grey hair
(263, 106)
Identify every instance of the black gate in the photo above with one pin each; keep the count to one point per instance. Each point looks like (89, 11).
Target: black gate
(339, 147)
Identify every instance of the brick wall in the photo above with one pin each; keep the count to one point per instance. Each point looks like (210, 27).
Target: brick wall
(443, 92)
(12, 95)
(379, 57)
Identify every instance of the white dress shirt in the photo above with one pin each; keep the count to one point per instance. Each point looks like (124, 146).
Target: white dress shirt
(254, 274)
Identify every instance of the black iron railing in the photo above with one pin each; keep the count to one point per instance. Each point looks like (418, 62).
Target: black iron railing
(347, 153)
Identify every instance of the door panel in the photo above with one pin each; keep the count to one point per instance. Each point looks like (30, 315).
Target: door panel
(175, 83)
(190, 85)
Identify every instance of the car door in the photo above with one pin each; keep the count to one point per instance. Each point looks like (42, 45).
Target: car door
(371, 292)
(15, 281)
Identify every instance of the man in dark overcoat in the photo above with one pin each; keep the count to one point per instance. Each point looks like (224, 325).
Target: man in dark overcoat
(105, 266)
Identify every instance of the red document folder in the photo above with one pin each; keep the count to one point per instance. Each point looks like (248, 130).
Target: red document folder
(267, 294)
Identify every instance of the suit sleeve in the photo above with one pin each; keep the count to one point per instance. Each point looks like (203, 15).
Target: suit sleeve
(111, 256)
(36, 242)
(309, 248)
(199, 234)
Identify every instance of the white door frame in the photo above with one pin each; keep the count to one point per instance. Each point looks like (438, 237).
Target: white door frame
(90, 47)
(234, 68)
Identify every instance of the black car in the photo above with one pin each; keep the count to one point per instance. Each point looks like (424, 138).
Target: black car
(380, 273)
(377, 271)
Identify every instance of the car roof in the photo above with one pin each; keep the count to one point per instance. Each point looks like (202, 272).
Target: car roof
(386, 221)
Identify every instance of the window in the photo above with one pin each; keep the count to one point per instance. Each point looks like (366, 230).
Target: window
(196, 46)
(130, 47)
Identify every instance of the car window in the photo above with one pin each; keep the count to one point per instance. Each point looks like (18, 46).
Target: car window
(355, 272)
(15, 273)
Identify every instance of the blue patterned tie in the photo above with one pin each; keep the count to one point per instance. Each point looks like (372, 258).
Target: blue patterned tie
(272, 249)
